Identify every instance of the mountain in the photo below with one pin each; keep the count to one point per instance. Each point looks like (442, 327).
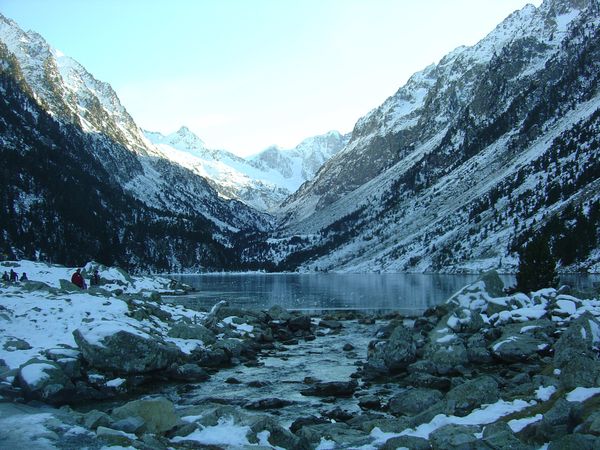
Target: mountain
(80, 180)
(496, 143)
(262, 181)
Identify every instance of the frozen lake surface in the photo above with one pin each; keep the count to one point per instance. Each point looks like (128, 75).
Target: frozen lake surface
(408, 294)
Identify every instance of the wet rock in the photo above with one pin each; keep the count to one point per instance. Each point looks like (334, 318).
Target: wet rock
(369, 402)
(338, 415)
(331, 324)
(413, 401)
(426, 380)
(340, 433)
(472, 394)
(233, 380)
(211, 357)
(394, 355)
(331, 389)
(158, 414)
(268, 403)
(124, 351)
(300, 323)
(456, 437)
(278, 436)
(258, 384)
(306, 421)
(189, 372)
(348, 347)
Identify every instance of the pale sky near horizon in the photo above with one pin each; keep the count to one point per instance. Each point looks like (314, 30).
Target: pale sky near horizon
(246, 74)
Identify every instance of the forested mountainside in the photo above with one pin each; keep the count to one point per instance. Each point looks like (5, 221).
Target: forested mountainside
(473, 156)
(59, 203)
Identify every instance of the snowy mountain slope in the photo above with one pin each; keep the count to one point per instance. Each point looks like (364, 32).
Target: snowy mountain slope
(71, 95)
(262, 181)
(455, 168)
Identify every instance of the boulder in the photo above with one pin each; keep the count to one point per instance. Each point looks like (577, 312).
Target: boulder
(94, 419)
(410, 442)
(558, 421)
(300, 323)
(186, 331)
(278, 313)
(575, 441)
(45, 381)
(500, 436)
(472, 394)
(447, 357)
(517, 348)
(413, 401)
(125, 351)
(331, 389)
(189, 372)
(459, 437)
(477, 351)
(158, 414)
(115, 437)
(340, 433)
(278, 436)
(268, 403)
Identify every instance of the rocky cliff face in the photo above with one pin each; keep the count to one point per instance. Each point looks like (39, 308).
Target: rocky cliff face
(456, 166)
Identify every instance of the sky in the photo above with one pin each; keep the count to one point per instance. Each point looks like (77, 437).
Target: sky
(247, 74)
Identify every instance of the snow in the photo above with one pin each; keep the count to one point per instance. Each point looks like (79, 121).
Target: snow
(567, 306)
(517, 425)
(544, 393)
(581, 394)
(226, 432)
(33, 374)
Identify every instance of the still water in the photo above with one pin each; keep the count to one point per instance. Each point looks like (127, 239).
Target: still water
(406, 293)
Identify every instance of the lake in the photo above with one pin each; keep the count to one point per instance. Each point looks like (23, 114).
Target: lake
(407, 293)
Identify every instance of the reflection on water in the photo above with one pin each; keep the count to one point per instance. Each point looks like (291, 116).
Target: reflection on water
(407, 293)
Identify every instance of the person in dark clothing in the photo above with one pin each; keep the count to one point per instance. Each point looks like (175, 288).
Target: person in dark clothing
(95, 278)
(13, 276)
(24, 277)
(5, 277)
(77, 279)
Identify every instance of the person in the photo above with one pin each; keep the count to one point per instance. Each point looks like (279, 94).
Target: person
(95, 279)
(5, 277)
(77, 279)
(13, 276)
(24, 277)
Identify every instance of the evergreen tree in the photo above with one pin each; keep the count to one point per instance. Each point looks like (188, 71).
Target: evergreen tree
(537, 266)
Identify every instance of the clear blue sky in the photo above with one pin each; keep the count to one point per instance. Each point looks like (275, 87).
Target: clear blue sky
(245, 74)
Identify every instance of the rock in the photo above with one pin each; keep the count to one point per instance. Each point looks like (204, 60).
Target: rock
(115, 437)
(400, 350)
(581, 371)
(268, 403)
(340, 433)
(306, 421)
(575, 441)
(459, 437)
(516, 348)
(125, 351)
(477, 351)
(558, 421)
(186, 331)
(232, 380)
(331, 388)
(189, 372)
(158, 414)
(413, 401)
(410, 442)
(578, 340)
(278, 436)
(369, 402)
(500, 436)
(348, 347)
(94, 419)
(300, 323)
(331, 324)
(45, 381)
(464, 320)
(472, 394)
(426, 380)
(447, 358)
(129, 424)
(15, 344)
(211, 357)
(278, 313)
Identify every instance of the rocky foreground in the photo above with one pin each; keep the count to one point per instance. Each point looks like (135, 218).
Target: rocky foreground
(483, 370)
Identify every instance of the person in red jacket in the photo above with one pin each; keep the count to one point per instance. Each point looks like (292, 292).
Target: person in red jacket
(77, 279)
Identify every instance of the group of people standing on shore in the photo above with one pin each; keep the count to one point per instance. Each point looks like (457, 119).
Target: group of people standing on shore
(13, 277)
(77, 278)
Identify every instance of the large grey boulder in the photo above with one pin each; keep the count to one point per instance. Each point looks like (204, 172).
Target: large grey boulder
(45, 381)
(413, 401)
(447, 357)
(455, 437)
(187, 331)
(472, 394)
(500, 436)
(125, 351)
(393, 355)
(158, 414)
(517, 348)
